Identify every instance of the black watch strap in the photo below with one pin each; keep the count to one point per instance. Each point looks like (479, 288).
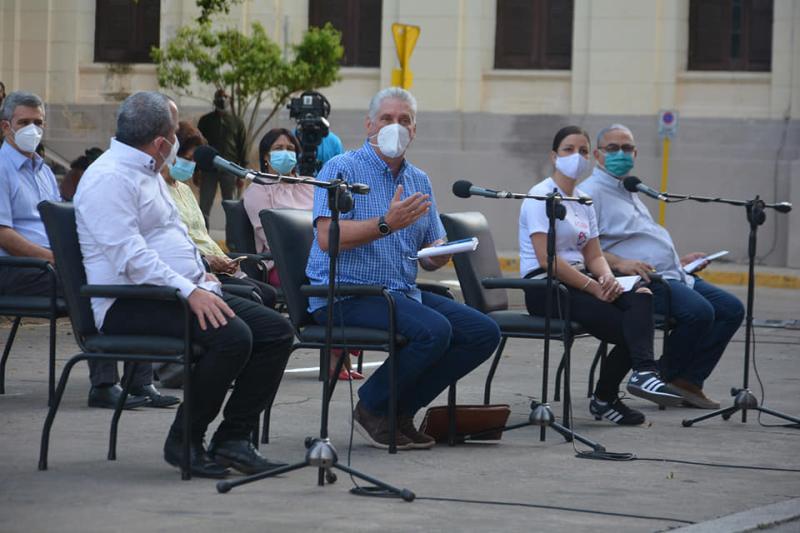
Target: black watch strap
(383, 227)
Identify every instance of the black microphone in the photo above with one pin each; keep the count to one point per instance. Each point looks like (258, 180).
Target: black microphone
(465, 189)
(634, 184)
(207, 158)
(783, 207)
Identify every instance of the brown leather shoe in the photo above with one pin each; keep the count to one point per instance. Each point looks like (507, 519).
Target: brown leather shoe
(375, 429)
(694, 395)
(419, 440)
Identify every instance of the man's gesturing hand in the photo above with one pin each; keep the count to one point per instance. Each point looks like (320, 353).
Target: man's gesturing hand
(403, 213)
(208, 306)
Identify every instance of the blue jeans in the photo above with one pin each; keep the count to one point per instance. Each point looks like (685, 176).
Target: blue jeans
(707, 317)
(446, 341)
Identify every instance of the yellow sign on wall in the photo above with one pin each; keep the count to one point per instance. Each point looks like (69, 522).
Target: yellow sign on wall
(405, 39)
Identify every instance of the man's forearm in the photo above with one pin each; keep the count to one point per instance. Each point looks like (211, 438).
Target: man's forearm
(17, 245)
(612, 259)
(352, 233)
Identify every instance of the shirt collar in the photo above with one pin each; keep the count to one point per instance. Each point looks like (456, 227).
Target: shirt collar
(18, 160)
(135, 157)
(606, 178)
(379, 163)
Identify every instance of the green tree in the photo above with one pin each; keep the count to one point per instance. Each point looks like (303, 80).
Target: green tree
(251, 68)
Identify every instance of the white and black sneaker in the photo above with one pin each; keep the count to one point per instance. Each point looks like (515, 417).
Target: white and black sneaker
(649, 386)
(615, 411)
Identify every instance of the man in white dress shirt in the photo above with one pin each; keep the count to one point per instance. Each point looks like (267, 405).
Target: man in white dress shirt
(131, 233)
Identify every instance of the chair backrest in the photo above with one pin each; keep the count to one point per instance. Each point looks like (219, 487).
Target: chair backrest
(239, 234)
(472, 267)
(290, 234)
(59, 222)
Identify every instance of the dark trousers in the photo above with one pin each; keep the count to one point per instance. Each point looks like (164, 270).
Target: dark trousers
(627, 323)
(446, 341)
(208, 189)
(707, 317)
(252, 349)
(26, 282)
(266, 292)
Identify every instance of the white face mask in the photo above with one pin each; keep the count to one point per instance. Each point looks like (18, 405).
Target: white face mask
(573, 166)
(173, 154)
(28, 137)
(393, 140)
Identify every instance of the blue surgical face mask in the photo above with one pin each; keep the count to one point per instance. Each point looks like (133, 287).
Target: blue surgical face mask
(182, 169)
(283, 161)
(618, 163)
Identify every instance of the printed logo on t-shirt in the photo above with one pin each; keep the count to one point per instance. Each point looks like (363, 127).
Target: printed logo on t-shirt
(581, 238)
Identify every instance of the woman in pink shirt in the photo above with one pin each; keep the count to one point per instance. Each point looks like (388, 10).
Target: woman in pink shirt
(278, 153)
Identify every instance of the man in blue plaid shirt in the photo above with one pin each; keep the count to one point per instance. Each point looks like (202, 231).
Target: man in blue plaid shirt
(379, 238)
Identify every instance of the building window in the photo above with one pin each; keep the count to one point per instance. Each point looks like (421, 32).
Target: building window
(360, 24)
(124, 30)
(730, 35)
(533, 34)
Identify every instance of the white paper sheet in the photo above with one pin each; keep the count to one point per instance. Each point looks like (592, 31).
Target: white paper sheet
(454, 247)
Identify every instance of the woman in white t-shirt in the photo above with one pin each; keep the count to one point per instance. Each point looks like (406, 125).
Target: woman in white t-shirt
(596, 299)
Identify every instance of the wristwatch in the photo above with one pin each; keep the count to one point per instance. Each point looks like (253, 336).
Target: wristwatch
(383, 227)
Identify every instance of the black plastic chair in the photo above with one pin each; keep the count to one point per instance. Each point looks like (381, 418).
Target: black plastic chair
(59, 221)
(483, 288)
(290, 234)
(240, 240)
(19, 306)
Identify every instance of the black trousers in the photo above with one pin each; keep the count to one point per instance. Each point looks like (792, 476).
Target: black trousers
(208, 189)
(251, 350)
(266, 292)
(26, 282)
(627, 323)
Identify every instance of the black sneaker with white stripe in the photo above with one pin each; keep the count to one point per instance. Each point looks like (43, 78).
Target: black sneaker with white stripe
(649, 386)
(615, 411)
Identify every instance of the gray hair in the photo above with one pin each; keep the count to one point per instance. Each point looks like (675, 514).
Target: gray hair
(19, 98)
(142, 117)
(392, 92)
(613, 127)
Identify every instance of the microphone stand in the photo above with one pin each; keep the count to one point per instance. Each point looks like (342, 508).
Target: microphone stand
(744, 400)
(542, 415)
(320, 451)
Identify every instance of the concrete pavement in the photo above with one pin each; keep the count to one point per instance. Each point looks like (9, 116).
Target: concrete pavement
(518, 484)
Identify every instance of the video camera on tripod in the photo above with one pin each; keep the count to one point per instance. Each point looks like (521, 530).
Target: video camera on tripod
(310, 110)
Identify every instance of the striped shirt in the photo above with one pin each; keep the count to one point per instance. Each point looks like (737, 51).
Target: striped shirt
(384, 261)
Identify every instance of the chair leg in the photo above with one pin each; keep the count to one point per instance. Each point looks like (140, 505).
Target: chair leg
(487, 390)
(6, 352)
(451, 415)
(566, 361)
(126, 385)
(51, 412)
(51, 378)
(265, 431)
(599, 355)
(559, 371)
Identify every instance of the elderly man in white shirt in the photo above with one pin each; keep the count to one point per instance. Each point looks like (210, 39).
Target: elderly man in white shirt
(633, 243)
(131, 233)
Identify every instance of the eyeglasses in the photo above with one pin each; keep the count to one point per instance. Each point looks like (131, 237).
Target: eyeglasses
(614, 148)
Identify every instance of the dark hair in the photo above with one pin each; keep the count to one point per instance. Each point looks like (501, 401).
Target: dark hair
(565, 132)
(269, 139)
(189, 137)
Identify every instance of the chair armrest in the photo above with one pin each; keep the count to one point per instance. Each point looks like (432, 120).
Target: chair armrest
(435, 288)
(145, 292)
(344, 290)
(520, 283)
(266, 256)
(24, 262)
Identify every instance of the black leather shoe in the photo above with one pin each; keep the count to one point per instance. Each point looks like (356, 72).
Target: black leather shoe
(106, 398)
(241, 455)
(200, 464)
(156, 398)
